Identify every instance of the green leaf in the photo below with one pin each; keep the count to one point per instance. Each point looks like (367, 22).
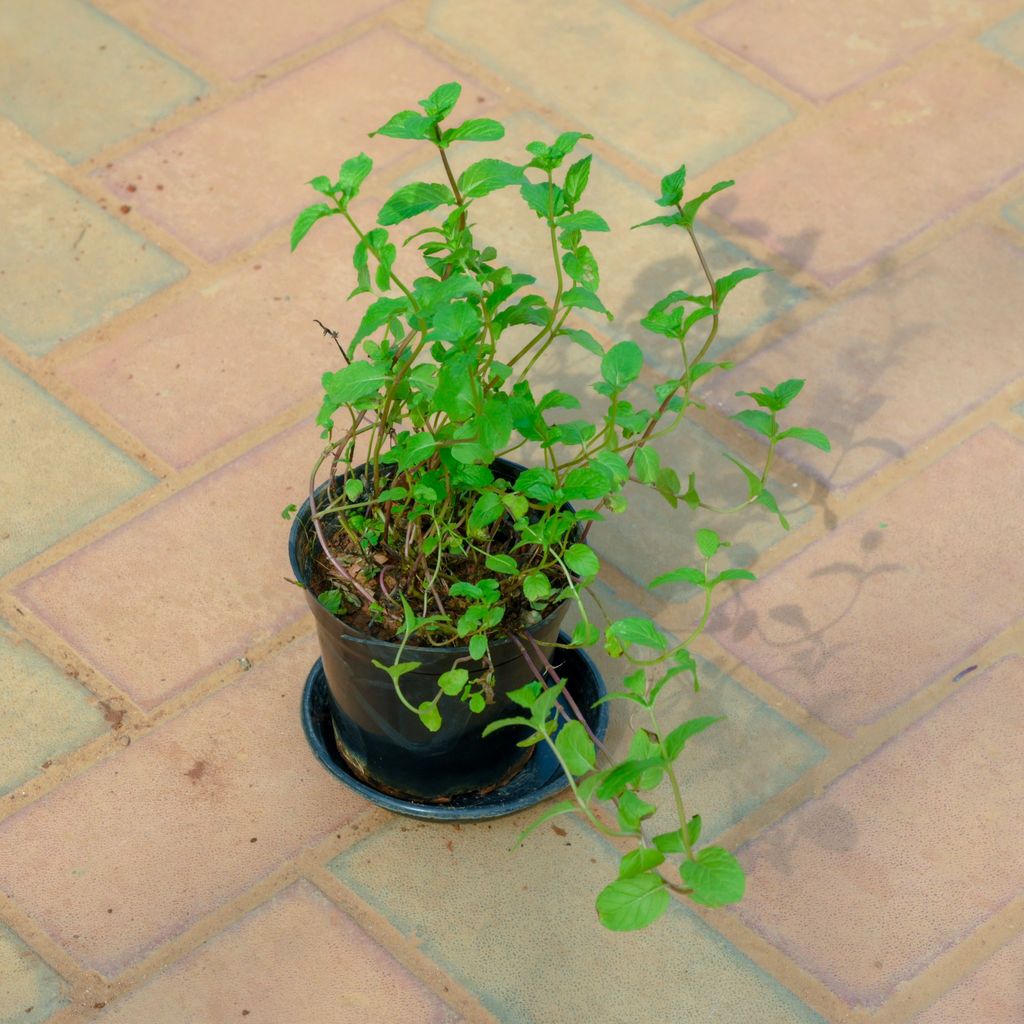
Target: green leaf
(582, 561)
(502, 563)
(440, 103)
(676, 739)
(487, 509)
(576, 179)
(647, 462)
(585, 634)
(708, 542)
(613, 465)
(584, 339)
(477, 647)
(412, 199)
(756, 420)
(453, 681)
(787, 391)
(633, 903)
(637, 862)
(666, 483)
(351, 383)
(668, 220)
(632, 810)
(305, 220)
(331, 600)
(545, 200)
(690, 209)
(724, 285)
(582, 220)
(685, 575)
(487, 176)
(582, 267)
(429, 715)
(526, 696)
(576, 748)
(407, 124)
(353, 173)
(621, 364)
(628, 772)
(322, 184)
(288, 511)
(732, 574)
(585, 484)
(456, 322)
(536, 587)
(377, 315)
(478, 129)
(767, 499)
(715, 877)
(808, 435)
(672, 186)
(693, 827)
(670, 842)
(635, 630)
(583, 298)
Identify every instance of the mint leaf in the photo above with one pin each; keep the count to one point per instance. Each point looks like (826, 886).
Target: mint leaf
(440, 103)
(633, 903)
(407, 124)
(584, 339)
(576, 179)
(477, 647)
(414, 199)
(672, 186)
(715, 877)
(676, 739)
(756, 420)
(305, 220)
(353, 173)
(582, 220)
(708, 542)
(668, 220)
(808, 435)
(536, 587)
(576, 748)
(453, 681)
(724, 285)
(354, 382)
(583, 298)
(487, 176)
(638, 861)
(479, 129)
(639, 631)
(621, 364)
(429, 715)
(502, 563)
(685, 575)
(691, 208)
(582, 560)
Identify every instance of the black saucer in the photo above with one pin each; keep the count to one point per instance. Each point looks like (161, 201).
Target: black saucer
(541, 778)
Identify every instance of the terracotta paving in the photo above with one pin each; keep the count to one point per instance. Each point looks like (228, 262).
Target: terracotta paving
(169, 848)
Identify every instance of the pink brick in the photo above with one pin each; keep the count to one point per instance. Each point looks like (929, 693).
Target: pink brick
(875, 382)
(993, 993)
(891, 600)
(906, 854)
(144, 844)
(297, 958)
(228, 179)
(189, 584)
(238, 37)
(226, 358)
(913, 151)
(824, 50)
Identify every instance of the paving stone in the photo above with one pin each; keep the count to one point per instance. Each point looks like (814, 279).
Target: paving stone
(1007, 38)
(644, 108)
(29, 991)
(228, 357)
(66, 265)
(296, 958)
(141, 846)
(875, 385)
(468, 900)
(46, 449)
(932, 142)
(994, 992)
(79, 81)
(43, 713)
(907, 850)
(200, 183)
(238, 37)
(638, 268)
(894, 597)
(824, 52)
(154, 621)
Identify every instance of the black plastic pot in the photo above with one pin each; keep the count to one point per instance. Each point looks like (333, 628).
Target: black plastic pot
(384, 743)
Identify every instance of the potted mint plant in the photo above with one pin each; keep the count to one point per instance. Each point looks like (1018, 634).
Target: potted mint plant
(439, 570)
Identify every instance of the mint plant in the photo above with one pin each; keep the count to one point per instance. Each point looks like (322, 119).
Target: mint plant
(425, 543)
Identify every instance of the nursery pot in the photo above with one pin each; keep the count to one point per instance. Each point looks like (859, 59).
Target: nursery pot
(383, 742)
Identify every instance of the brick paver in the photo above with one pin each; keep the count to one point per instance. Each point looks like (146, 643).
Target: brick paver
(73, 269)
(169, 848)
(906, 886)
(296, 958)
(823, 626)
